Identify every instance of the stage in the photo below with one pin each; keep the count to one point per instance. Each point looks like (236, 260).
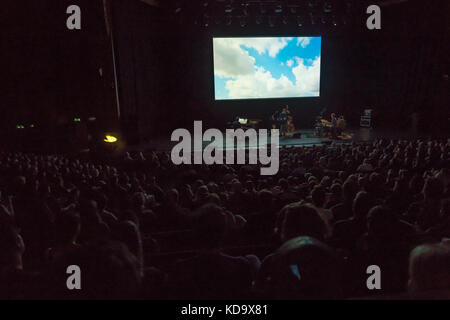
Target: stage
(307, 138)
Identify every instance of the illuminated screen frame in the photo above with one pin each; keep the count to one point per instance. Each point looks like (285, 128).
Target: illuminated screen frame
(308, 65)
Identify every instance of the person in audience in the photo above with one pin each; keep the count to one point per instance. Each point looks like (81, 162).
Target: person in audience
(212, 274)
(318, 196)
(371, 202)
(429, 266)
(302, 268)
(15, 281)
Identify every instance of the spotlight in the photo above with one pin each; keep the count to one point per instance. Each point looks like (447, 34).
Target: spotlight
(262, 9)
(259, 19)
(272, 21)
(76, 119)
(327, 7)
(228, 8)
(334, 21)
(243, 22)
(205, 20)
(110, 139)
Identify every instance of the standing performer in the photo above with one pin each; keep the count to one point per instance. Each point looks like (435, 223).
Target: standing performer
(340, 125)
(283, 118)
(333, 125)
(275, 121)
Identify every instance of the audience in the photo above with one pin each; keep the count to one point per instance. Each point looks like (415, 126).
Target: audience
(142, 227)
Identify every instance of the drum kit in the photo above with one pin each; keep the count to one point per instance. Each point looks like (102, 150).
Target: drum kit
(322, 127)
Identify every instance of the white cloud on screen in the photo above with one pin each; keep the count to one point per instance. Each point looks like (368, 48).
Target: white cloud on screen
(304, 42)
(263, 84)
(266, 45)
(232, 60)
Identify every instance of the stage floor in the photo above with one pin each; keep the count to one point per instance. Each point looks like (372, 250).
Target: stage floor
(307, 138)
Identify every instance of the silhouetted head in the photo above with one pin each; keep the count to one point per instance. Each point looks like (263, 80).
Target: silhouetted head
(429, 268)
(301, 220)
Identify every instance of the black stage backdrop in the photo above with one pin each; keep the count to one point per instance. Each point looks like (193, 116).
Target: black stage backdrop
(165, 71)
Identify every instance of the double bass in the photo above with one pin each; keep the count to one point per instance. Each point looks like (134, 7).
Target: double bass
(290, 124)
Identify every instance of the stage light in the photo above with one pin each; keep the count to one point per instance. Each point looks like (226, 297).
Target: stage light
(327, 7)
(110, 139)
(205, 21)
(228, 8)
(262, 9)
(19, 126)
(335, 23)
(278, 8)
(31, 125)
(272, 21)
(299, 21)
(92, 118)
(76, 119)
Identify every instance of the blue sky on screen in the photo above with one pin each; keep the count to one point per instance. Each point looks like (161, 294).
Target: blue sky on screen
(253, 68)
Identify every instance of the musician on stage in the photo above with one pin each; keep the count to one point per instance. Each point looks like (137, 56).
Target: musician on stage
(283, 118)
(340, 125)
(333, 125)
(275, 122)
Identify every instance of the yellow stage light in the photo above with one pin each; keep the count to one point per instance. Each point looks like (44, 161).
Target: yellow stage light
(110, 139)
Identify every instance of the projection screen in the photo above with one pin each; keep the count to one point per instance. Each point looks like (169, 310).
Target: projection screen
(266, 67)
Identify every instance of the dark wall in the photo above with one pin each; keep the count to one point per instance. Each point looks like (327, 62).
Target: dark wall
(51, 74)
(166, 72)
(166, 69)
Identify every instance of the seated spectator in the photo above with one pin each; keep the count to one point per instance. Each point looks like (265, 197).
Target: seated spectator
(212, 274)
(302, 268)
(429, 275)
(318, 195)
(15, 281)
(66, 235)
(109, 271)
(348, 231)
(299, 219)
